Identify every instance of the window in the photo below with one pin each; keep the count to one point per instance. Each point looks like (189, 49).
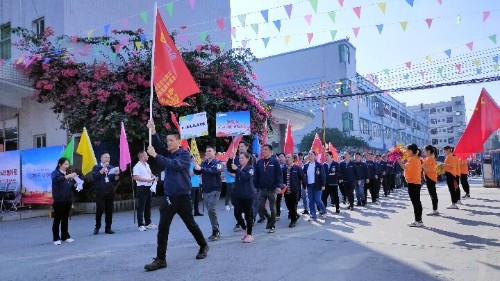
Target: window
(432, 111)
(449, 109)
(347, 122)
(387, 133)
(377, 132)
(394, 113)
(434, 131)
(408, 121)
(434, 141)
(387, 110)
(5, 42)
(364, 126)
(39, 26)
(344, 54)
(40, 141)
(434, 121)
(402, 118)
(8, 132)
(449, 130)
(451, 140)
(345, 88)
(458, 102)
(440, 140)
(449, 119)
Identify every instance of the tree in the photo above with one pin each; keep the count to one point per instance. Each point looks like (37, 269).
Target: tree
(115, 86)
(338, 139)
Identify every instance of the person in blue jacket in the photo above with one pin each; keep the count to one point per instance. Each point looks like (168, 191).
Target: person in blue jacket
(177, 185)
(62, 193)
(333, 178)
(349, 173)
(314, 183)
(363, 178)
(195, 187)
(244, 191)
(293, 178)
(373, 185)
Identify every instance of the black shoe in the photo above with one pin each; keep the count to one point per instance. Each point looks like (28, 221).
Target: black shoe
(359, 204)
(272, 229)
(198, 214)
(215, 236)
(156, 264)
(268, 225)
(292, 224)
(202, 253)
(109, 231)
(96, 231)
(261, 220)
(363, 203)
(351, 207)
(337, 210)
(305, 212)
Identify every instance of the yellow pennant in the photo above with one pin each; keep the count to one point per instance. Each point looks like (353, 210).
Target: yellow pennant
(428, 58)
(287, 39)
(404, 24)
(90, 33)
(382, 6)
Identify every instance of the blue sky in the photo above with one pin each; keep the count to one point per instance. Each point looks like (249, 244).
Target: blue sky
(455, 23)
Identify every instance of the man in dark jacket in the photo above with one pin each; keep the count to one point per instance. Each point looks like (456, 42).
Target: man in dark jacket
(363, 178)
(177, 185)
(292, 181)
(349, 172)
(381, 173)
(333, 178)
(268, 180)
(373, 184)
(210, 171)
(314, 183)
(104, 176)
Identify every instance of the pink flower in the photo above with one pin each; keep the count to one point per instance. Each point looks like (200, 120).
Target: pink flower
(48, 87)
(254, 76)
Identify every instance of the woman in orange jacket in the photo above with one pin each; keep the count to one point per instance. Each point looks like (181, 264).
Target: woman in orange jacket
(464, 173)
(413, 176)
(430, 173)
(450, 167)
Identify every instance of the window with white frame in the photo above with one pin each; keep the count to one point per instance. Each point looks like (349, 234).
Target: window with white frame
(39, 26)
(40, 141)
(5, 41)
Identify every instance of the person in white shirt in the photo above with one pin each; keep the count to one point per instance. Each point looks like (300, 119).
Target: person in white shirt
(144, 178)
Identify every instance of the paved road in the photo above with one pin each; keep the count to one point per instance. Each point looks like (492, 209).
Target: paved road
(370, 243)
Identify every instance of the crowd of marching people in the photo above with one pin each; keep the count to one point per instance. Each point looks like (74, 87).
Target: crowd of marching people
(256, 185)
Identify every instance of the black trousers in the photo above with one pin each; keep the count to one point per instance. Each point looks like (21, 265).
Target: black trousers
(333, 192)
(195, 197)
(143, 205)
(279, 197)
(61, 215)
(291, 201)
(349, 191)
(374, 187)
(104, 204)
(244, 206)
(465, 183)
(388, 183)
(342, 191)
(414, 192)
(176, 205)
(452, 187)
(431, 187)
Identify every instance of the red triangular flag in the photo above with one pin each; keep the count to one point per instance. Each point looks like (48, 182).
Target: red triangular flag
(172, 80)
(470, 45)
(289, 145)
(333, 150)
(408, 64)
(231, 149)
(429, 22)
(318, 147)
(484, 122)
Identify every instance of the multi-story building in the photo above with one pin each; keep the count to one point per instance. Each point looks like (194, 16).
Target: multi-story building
(294, 78)
(447, 121)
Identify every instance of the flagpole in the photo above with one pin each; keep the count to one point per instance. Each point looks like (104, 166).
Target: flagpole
(133, 191)
(152, 71)
(322, 110)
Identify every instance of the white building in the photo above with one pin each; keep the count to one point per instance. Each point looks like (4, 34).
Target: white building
(447, 121)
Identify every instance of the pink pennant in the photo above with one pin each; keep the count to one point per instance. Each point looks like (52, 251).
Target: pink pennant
(125, 23)
(341, 2)
(357, 11)
(408, 64)
(183, 27)
(385, 93)
(118, 48)
(440, 2)
(459, 67)
(356, 31)
(181, 38)
(429, 22)
(74, 38)
(244, 43)
(124, 41)
(192, 3)
(288, 9)
(486, 15)
(370, 78)
(198, 48)
(233, 31)
(310, 37)
(470, 45)
(308, 19)
(220, 24)
(422, 73)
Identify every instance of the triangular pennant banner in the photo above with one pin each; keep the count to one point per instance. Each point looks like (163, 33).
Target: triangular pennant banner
(310, 37)
(266, 41)
(429, 22)
(346, 103)
(265, 15)
(422, 73)
(495, 59)
(428, 58)
(440, 71)
(106, 29)
(440, 2)
(138, 45)
(308, 19)
(288, 9)
(404, 24)
(277, 23)
(493, 38)
(314, 4)
(170, 8)
(459, 67)
(90, 33)
(410, 2)
(355, 30)
(448, 53)
(334, 34)
(243, 19)
(222, 46)
(144, 17)
(470, 46)
(486, 15)
(192, 3)
(357, 11)
(203, 36)
(341, 3)
(479, 70)
(233, 32)
(244, 43)
(459, 19)
(380, 27)
(287, 39)
(495, 67)
(255, 27)
(382, 6)
(332, 15)
(220, 24)
(477, 63)
(408, 64)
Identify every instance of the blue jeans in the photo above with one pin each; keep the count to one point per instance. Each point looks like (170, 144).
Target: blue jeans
(305, 200)
(360, 191)
(315, 200)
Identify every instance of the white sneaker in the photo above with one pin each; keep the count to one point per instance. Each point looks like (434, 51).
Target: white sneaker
(459, 202)
(452, 206)
(228, 208)
(416, 224)
(433, 213)
(69, 240)
(151, 226)
(232, 207)
(58, 242)
(142, 228)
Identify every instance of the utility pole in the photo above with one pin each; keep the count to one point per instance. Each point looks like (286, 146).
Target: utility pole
(322, 110)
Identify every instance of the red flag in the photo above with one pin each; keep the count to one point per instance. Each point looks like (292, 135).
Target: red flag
(289, 145)
(184, 143)
(172, 80)
(484, 122)
(318, 147)
(231, 149)
(332, 149)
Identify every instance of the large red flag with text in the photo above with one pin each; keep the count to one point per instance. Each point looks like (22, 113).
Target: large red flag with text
(484, 121)
(318, 147)
(172, 80)
(289, 145)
